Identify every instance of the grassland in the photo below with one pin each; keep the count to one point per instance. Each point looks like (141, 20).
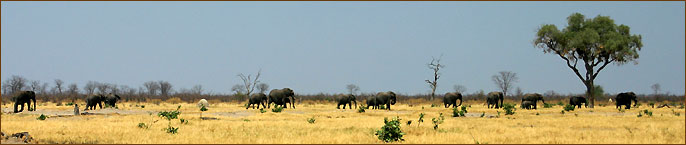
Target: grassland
(238, 125)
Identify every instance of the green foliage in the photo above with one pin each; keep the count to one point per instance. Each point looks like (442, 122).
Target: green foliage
(569, 107)
(203, 108)
(460, 113)
(143, 125)
(437, 121)
(246, 120)
(169, 115)
(652, 104)
(421, 119)
(560, 103)
(676, 113)
(172, 130)
(262, 110)
(277, 109)
(382, 106)
(360, 109)
(498, 114)
(391, 131)
(598, 90)
(42, 117)
(311, 120)
(546, 105)
(70, 104)
(509, 109)
(648, 112)
(409, 122)
(183, 121)
(142, 106)
(537, 113)
(483, 114)
(562, 112)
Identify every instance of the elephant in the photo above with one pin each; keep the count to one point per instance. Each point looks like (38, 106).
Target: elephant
(93, 100)
(625, 99)
(111, 99)
(346, 100)
(281, 97)
(451, 99)
(24, 97)
(371, 101)
(493, 98)
(388, 98)
(528, 105)
(257, 99)
(576, 101)
(533, 98)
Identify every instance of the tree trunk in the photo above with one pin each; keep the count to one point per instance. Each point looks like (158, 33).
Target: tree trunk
(589, 93)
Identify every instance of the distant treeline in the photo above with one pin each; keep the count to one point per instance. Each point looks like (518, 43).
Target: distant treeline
(162, 91)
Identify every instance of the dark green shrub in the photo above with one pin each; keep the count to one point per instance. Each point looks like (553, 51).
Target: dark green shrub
(262, 110)
(202, 109)
(360, 109)
(311, 120)
(537, 113)
(143, 125)
(648, 112)
(382, 106)
(483, 114)
(277, 109)
(509, 109)
(421, 119)
(434, 105)
(70, 104)
(390, 132)
(546, 105)
(569, 107)
(409, 122)
(183, 121)
(142, 106)
(42, 117)
(169, 115)
(651, 104)
(560, 103)
(437, 121)
(172, 130)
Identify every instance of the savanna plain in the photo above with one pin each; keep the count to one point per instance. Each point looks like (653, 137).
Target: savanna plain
(321, 122)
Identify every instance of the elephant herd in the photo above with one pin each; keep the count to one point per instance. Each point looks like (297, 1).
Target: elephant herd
(286, 96)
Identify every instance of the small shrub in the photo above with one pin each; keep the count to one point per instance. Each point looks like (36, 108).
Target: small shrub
(70, 104)
(183, 121)
(360, 109)
(262, 110)
(457, 113)
(390, 132)
(246, 120)
(498, 114)
(409, 122)
(569, 107)
(42, 117)
(143, 125)
(311, 120)
(562, 112)
(142, 106)
(648, 112)
(437, 121)
(537, 113)
(421, 119)
(169, 115)
(202, 109)
(277, 109)
(509, 109)
(676, 113)
(651, 104)
(483, 114)
(560, 103)
(172, 130)
(382, 106)
(546, 105)
(434, 105)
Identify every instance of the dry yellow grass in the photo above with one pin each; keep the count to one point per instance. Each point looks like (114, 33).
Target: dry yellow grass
(238, 125)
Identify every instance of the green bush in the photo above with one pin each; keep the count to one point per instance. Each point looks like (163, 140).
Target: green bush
(509, 109)
(382, 106)
(409, 122)
(421, 119)
(434, 105)
(172, 130)
(360, 109)
(569, 107)
(311, 120)
(169, 115)
(483, 114)
(546, 105)
(277, 109)
(461, 112)
(562, 112)
(183, 121)
(262, 110)
(70, 104)
(537, 113)
(143, 125)
(391, 131)
(652, 104)
(142, 106)
(676, 113)
(560, 103)
(42, 117)
(648, 112)
(437, 121)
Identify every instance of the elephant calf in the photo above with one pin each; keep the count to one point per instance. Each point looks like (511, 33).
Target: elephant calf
(576, 101)
(528, 105)
(371, 101)
(257, 99)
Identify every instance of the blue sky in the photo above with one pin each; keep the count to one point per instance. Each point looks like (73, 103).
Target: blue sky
(315, 47)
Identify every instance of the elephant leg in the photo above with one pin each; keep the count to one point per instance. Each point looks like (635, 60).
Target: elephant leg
(388, 106)
(445, 105)
(627, 107)
(15, 107)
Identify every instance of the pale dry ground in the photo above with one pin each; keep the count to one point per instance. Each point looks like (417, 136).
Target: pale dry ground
(238, 125)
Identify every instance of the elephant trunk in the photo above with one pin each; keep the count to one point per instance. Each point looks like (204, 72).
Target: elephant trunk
(543, 101)
(635, 102)
(35, 105)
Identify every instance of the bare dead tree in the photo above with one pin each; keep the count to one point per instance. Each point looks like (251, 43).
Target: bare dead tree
(58, 86)
(519, 92)
(103, 88)
(656, 88)
(504, 80)
(238, 89)
(151, 87)
(197, 90)
(14, 84)
(165, 88)
(262, 87)
(73, 91)
(460, 88)
(90, 87)
(250, 83)
(352, 88)
(35, 85)
(435, 65)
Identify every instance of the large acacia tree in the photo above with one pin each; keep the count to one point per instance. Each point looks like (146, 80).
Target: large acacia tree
(591, 43)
